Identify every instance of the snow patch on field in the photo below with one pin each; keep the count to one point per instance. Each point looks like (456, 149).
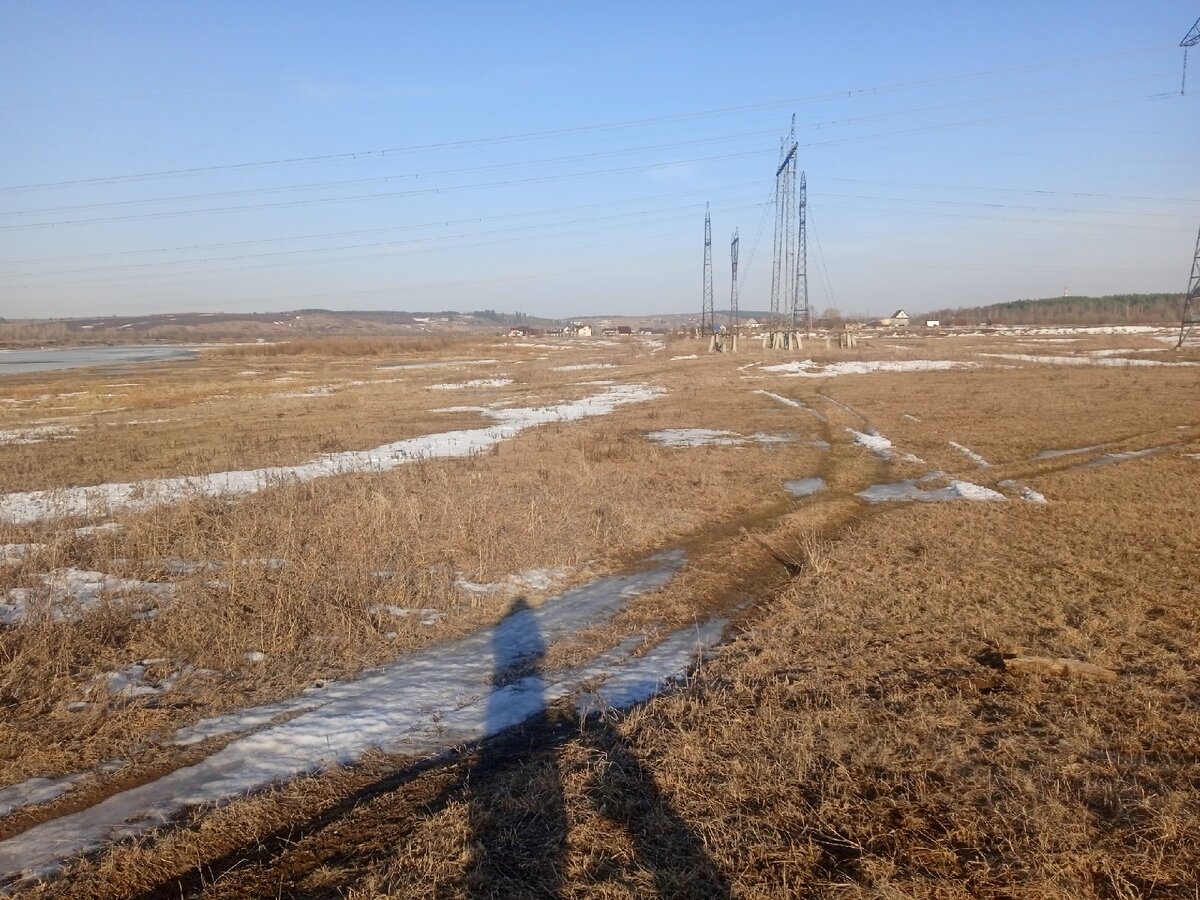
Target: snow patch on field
(35, 506)
(806, 368)
(422, 703)
(473, 383)
(688, 356)
(709, 437)
(804, 487)
(1054, 454)
(880, 446)
(1085, 360)
(36, 434)
(970, 454)
(70, 593)
(912, 490)
(796, 404)
(1027, 493)
(580, 367)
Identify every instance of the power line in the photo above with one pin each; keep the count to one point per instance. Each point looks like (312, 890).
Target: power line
(582, 129)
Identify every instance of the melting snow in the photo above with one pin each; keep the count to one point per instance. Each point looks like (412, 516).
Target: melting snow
(1086, 360)
(880, 446)
(476, 382)
(709, 437)
(72, 592)
(36, 434)
(422, 703)
(34, 506)
(1054, 454)
(911, 490)
(689, 356)
(1123, 456)
(803, 487)
(806, 368)
(970, 454)
(442, 364)
(794, 403)
(1027, 493)
(581, 366)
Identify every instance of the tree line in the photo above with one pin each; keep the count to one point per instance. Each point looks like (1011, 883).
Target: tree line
(1133, 309)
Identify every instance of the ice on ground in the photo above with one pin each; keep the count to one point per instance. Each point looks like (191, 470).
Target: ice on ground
(710, 437)
(1086, 360)
(803, 487)
(970, 454)
(529, 580)
(646, 676)
(796, 404)
(1027, 493)
(912, 490)
(35, 506)
(425, 616)
(688, 356)
(880, 446)
(442, 364)
(72, 592)
(474, 383)
(579, 367)
(423, 703)
(807, 368)
(1109, 459)
(15, 553)
(36, 434)
(36, 790)
(1054, 454)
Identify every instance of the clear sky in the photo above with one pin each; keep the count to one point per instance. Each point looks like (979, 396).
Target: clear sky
(555, 157)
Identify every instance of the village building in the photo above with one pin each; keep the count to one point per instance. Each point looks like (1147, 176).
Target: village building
(898, 319)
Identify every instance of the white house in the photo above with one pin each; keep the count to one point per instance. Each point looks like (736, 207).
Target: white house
(898, 319)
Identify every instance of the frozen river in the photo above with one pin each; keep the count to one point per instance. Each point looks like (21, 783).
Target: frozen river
(16, 362)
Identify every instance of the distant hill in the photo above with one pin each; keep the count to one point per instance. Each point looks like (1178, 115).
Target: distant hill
(1115, 309)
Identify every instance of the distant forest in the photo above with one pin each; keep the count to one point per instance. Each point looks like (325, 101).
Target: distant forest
(1116, 309)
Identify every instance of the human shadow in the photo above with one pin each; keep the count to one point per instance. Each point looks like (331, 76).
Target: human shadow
(517, 806)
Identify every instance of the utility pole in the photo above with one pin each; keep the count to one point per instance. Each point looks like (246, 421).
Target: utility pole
(733, 293)
(1191, 301)
(708, 320)
(800, 308)
(783, 264)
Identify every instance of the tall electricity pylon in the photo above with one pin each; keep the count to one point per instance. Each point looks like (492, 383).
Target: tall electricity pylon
(801, 314)
(783, 268)
(733, 297)
(1191, 301)
(708, 319)
(1191, 39)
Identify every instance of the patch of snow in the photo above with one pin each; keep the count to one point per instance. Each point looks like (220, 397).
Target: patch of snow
(426, 616)
(1027, 493)
(35, 506)
(422, 703)
(443, 364)
(36, 434)
(1054, 454)
(579, 367)
(477, 382)
(73, 592)
(689, 356)
(1109, 459)
(35, 790)
(912, 418)
(912, 490)
(820, 417)
(880, 446)
(803, 487)
(15, 553)
(1086, 360)
(695, 437)
(970, 454)
(806, 368)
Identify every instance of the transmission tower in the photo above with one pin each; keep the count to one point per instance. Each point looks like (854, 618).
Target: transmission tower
(1191, 39)
(733, 297)
(708, 320)
(800, 311)
(783, 267)
(1191, 302)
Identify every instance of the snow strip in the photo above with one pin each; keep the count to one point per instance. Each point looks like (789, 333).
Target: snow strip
(1027, 493)
(422, 703)
(794, 403)
(880, 446)
(709, 437)
(35, 506)
(442, 364)
(582, 366)
(1086, 360)
(1054, 454)
(911, 490)
(36, 434)
(806, 368)
(476, 382)
(1123, 456)
(970, 454)
(72, 592)
(688, 356)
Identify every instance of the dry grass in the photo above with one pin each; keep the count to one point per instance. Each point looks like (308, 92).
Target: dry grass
(859, 738)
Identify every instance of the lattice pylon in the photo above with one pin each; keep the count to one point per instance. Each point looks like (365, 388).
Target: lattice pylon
(1191, 300)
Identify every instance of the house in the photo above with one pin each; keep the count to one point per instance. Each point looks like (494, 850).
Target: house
(579, 329)
(520, 331)
(898, 319)
(933, 323)
(751, 323)
(624, 329)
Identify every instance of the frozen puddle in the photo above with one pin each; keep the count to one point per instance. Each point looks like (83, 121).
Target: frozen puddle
(803, 487)
(807, 368)
(423, 703)
(35, 506)
(913, 490)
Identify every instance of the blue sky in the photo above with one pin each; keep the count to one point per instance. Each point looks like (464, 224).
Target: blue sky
(556, 157)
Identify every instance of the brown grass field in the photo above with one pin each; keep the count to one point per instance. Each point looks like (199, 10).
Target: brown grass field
(860, 732)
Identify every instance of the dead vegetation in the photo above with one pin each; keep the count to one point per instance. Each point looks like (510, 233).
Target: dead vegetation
(862, 736)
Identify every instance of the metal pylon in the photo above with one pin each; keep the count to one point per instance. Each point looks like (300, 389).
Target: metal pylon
(733, 293)
(1191, 301)
(708, 319)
